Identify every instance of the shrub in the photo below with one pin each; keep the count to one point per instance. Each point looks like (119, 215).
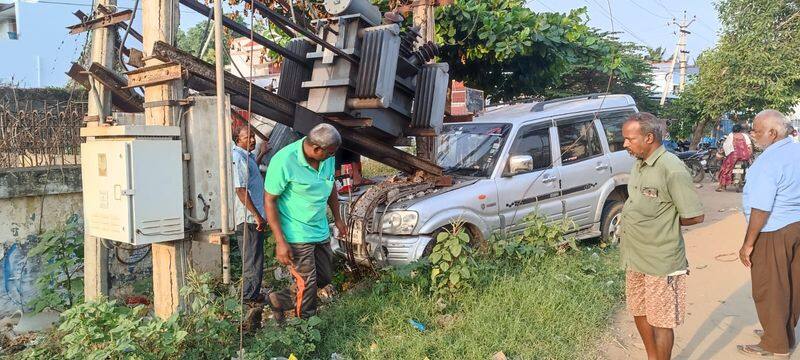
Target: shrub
(451, 261)
(60, 253)
(299, 337)
(537, 240)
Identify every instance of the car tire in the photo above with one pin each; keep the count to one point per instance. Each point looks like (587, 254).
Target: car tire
(697, 172)
(610, 223)
(429, 247)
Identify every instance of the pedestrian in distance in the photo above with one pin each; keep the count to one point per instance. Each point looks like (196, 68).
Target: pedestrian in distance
(299, 185)
(250, 217)
(661, 199)
(771, 248)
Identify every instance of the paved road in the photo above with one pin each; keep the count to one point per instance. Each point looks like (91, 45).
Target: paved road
(720, 311)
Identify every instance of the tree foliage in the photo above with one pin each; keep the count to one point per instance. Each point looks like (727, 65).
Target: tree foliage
(655, 54)
(753, 67)
(509, 51)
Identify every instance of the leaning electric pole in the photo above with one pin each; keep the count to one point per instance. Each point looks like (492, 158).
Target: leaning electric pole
(680, 51)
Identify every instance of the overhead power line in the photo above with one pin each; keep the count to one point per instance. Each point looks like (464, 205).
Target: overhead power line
(665, 8)
(622, 25)
(648, 10)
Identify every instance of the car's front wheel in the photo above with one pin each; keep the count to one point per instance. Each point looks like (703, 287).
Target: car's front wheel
(611, 222)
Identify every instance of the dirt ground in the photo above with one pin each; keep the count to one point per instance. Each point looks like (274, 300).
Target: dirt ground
(720, 311)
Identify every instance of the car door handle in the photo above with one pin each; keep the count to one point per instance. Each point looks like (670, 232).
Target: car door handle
(601, 167)
(548, 180)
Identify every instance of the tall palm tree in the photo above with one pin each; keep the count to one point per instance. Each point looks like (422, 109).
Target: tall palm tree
(655, 54)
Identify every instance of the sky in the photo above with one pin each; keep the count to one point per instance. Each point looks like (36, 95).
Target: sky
(45, 44)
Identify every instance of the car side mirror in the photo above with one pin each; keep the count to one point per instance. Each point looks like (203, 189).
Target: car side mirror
(519, 164)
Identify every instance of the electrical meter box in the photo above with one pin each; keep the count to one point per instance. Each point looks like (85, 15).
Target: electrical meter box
(133, 184)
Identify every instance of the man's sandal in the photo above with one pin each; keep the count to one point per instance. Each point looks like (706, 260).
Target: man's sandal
(758, 351)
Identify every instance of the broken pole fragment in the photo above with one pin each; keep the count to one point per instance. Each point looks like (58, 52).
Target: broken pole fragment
(121, 99)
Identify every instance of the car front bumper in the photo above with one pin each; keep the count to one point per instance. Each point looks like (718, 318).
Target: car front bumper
(389, 249)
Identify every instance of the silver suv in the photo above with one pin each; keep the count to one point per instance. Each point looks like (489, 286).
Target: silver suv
(563, 158)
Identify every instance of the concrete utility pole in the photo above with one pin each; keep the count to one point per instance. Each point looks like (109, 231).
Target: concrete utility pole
(682, 28)
(160, 23)
(95, 268)
(424, 18)
(681, 51)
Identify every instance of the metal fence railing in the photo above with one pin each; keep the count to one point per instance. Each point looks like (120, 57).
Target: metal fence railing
(40, 134)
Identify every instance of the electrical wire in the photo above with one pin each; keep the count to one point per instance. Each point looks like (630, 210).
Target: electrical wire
(125, 37)
(648, 10)
(607, 14)
(665, 8)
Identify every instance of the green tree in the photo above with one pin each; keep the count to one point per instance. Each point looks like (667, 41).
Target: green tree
(509, 51)
(754, 66)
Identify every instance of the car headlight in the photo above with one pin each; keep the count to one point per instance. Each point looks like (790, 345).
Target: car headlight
(703, 162)
(399, 222)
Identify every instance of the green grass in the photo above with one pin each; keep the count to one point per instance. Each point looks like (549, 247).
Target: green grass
(371, 168)
(556, 309)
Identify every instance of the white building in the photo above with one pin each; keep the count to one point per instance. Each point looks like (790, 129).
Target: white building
(661, 70)
(265, 72)
(8, 20)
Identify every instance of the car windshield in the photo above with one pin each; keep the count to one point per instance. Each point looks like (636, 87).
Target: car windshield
(471, 149)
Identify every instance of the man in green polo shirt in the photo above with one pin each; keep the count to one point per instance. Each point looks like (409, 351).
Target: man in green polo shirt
(299, 185)
(661, 199)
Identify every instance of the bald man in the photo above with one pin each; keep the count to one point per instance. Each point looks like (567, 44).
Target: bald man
(771, 248)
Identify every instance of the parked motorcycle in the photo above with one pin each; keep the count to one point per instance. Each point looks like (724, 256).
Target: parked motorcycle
(739, 174)
(701, 162)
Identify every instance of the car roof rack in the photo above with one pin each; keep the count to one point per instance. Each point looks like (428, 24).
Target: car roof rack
(540, 105)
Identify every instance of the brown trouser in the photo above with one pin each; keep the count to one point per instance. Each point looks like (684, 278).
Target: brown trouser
(776, 286)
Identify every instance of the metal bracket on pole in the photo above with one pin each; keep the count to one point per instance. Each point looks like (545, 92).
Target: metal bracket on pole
(156, 74)
(103, 21)
(184, 102)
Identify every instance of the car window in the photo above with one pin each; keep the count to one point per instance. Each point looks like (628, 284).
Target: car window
(578, 141)
(612, 125)
(534, 141)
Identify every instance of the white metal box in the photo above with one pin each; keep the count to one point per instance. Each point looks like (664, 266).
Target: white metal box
(133, 189)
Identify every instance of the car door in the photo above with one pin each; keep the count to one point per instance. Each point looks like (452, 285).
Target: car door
(536, 190)
(612, 122)
(583, 168)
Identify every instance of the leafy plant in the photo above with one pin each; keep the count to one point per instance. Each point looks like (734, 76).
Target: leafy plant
(102, 329)
(60, 253)
(298, 336)
(211, 320)
(537, 240)
(450, 261)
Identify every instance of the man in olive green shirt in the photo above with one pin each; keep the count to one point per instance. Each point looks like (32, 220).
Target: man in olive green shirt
(661, 199)
(298, 187)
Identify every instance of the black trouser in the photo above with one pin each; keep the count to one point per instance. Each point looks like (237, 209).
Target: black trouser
(252, 250)
(312, 269)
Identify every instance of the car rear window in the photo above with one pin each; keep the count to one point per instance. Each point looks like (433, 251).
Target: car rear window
(612, 124)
